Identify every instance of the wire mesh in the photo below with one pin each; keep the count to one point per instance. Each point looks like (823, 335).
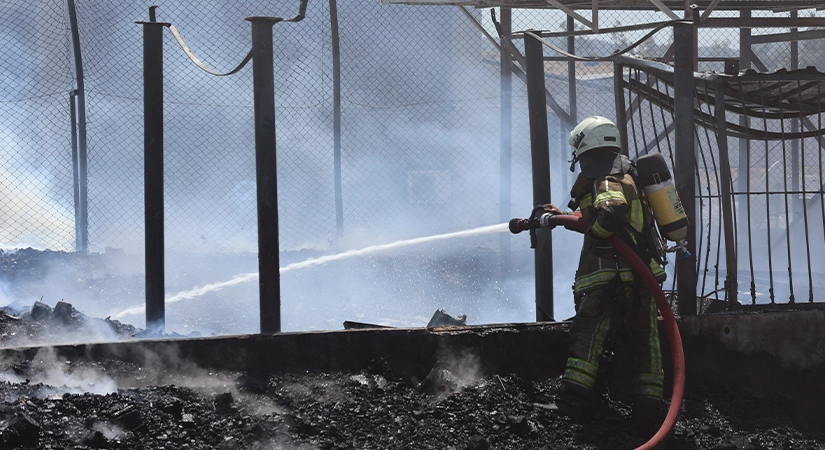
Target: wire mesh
(420, 121)
(37, 204)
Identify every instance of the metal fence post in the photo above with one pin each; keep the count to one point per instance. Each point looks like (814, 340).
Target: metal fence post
(263, 79)
(153, 170)
(78, 239)
(685, 159)
(796, 162)
(621, 112)
(81, 161)
(744, 170)
(505, 196)
(336, 113)
(731, 279)
(540, 155)
(564, 129)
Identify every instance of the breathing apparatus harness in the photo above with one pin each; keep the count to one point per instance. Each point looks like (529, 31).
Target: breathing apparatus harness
(650, 175)
(653, 248)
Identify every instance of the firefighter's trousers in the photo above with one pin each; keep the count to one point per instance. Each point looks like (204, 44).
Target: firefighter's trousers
(589, 330)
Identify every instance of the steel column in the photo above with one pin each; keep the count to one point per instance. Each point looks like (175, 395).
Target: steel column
(685, 159)
(572, 101)
(153, 171)
(797, 199)
(743, 177)
(263, 79)
(571, 71)
(75, 171)
(81, 162)
(336, 114)
(731, 263)
(621, 112)
(540, 155)
(505, 139)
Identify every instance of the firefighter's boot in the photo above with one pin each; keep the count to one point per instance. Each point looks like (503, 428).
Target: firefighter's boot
(573, 402)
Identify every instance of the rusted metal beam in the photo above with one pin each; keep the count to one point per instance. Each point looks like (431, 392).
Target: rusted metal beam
(788, 37)
(614, 5)
(611, 30)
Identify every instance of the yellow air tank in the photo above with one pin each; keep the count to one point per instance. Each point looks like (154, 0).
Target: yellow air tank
(655, 179)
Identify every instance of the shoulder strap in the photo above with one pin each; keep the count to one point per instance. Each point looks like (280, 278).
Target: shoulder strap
(634, 172)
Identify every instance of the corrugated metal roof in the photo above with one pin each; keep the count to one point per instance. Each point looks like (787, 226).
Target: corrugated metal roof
(780, 94)
(765, 97)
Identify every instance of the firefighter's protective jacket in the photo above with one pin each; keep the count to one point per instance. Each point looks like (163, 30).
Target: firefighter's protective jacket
(610, 202)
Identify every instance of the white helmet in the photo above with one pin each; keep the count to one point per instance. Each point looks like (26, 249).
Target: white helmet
(594, 132)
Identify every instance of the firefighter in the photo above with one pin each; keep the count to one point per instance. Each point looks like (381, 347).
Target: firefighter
(608, 294)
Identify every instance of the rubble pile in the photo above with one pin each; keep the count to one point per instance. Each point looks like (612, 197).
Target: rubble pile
(63, 323)
(370, 411)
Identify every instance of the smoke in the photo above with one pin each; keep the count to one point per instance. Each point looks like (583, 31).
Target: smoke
(63, 377)
(454, 371)
(108, 430)
(30, 217)
(420, 158)
(397, 284)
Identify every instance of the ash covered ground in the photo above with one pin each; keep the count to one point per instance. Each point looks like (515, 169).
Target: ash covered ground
(47, 403)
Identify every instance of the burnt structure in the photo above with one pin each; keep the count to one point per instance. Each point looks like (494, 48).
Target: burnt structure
(719, 188)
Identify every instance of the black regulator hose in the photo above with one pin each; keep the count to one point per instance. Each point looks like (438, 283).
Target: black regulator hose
(577, 223)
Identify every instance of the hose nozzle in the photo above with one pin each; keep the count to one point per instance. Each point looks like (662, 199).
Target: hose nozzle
(519, 225)
(538, 219)
(545, 220)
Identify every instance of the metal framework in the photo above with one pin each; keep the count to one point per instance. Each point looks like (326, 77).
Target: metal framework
(763, 96)
(675, 10)
(731, 5)
(769, 226)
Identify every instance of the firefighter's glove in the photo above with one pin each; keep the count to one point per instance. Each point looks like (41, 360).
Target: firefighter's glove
(544, 215)
(551, 209)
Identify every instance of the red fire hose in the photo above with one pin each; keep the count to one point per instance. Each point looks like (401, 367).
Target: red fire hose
(577, 223)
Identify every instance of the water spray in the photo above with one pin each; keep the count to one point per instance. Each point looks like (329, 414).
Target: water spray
(252, 276)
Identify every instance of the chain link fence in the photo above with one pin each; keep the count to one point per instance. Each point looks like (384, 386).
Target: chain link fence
(36, 78)
(420, 113)
(420, 119)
